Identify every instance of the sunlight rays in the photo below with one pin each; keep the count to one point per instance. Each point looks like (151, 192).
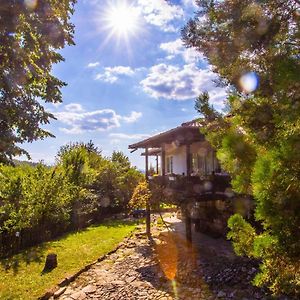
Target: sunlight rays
(121, 21)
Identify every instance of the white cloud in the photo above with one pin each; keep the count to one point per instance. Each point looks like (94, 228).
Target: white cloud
(74, 107)
(99, 120)
(181, 83)
(133, 117)
(176, 47)
(93, 64)
(124, 136)
(160, 13)
(191, 3)
(79, 122)
(112, 74)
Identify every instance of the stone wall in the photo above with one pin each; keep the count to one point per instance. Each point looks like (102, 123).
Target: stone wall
(211, 216)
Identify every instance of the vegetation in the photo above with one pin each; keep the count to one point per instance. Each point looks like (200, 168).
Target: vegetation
(31, 33)
(141, 196)
(21, 276)
(40, 203)
(254, 47)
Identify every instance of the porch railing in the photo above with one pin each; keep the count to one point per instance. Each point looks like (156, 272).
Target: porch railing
(215, 184)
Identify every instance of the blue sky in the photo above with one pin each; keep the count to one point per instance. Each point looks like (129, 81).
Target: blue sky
(126, 83)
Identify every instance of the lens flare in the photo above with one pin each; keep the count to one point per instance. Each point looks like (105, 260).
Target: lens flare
(122, 19)
(175, 290)
(249, 82)
(31, 4)
(121, 22)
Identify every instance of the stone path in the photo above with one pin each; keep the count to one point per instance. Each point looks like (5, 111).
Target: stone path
(133, 272)
(164, 268)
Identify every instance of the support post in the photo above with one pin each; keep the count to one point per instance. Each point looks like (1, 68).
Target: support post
(148, 218)
(188, 160)
(163, 160)
(157, 165)
(188, 225)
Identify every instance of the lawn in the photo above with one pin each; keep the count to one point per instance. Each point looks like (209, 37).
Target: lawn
(21, 275)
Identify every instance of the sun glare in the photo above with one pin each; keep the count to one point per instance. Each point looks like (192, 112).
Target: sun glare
(122, 19)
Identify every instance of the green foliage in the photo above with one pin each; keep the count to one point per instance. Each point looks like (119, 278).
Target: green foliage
(33, 196)
(141, 196)
(31, 36)
(243, 235)
(119, 158)
(258, 141)
(43, 202)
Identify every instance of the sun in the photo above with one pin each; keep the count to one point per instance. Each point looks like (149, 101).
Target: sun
(122, 19)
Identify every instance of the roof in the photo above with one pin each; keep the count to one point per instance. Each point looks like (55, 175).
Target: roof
(187, 132)
(152, 152)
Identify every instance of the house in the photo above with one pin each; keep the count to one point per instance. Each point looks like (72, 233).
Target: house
(190, 173)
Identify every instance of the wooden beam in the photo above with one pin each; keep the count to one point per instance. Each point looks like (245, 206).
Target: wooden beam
(148, 218)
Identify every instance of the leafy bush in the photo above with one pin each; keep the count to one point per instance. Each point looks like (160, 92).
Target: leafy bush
(33, 199)
(141, 196)
(40, 202)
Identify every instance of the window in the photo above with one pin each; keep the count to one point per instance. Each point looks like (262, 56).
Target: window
(194, 162)
(169, 164)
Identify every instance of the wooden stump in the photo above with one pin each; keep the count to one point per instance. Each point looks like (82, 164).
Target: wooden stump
(51, 262)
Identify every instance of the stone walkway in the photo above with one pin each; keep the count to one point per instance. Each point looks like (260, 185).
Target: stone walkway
(132, 272)
(165, 268)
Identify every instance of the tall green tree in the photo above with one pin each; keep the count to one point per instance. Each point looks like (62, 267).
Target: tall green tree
(254, 47)
(31, 33)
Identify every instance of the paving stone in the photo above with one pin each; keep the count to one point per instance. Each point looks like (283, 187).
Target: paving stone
(89, 289)
(78, 295)
(59, 292)
(137, 271)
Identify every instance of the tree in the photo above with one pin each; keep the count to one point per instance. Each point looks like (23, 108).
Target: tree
(141, 196)
(121, 159)
(31, 32)
(254, 47)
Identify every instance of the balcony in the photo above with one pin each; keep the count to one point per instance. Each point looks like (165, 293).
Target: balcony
(200, 188)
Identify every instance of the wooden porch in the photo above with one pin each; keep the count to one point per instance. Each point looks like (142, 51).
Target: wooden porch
(187, 185)
(195, 187)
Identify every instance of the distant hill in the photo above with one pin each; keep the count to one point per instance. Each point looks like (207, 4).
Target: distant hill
(25, 162)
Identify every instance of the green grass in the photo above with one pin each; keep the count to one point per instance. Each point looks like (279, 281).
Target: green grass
(24, 279)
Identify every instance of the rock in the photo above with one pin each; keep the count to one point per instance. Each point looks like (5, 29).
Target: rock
(78, 296)
(59, 292)
(118, 282)
(130, 279)
(63, 282)
(221, 294)
(47, 295)
(89, 289)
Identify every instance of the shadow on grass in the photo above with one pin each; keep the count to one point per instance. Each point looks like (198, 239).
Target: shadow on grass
(38, 253)
(34, 254)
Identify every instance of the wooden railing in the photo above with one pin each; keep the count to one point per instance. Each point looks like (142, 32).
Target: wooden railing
(195, 185)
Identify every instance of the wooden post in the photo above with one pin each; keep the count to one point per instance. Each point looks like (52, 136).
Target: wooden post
(157, 165)
(188, 160)
(188, 225)
(148, 218)
(163, 160)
